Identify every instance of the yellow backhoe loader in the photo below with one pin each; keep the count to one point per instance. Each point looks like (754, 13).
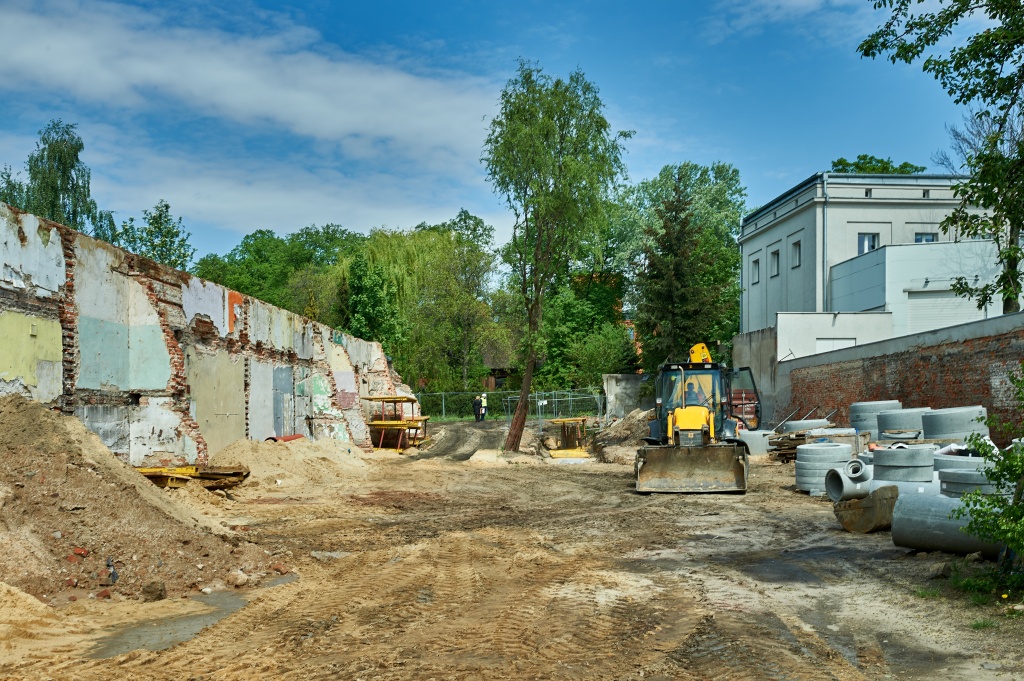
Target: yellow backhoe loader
(693, 447)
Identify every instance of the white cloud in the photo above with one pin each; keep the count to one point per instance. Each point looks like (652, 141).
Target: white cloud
(828, 19)
(284, 77)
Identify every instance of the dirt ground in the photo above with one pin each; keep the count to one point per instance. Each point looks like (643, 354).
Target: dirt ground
(435, 565)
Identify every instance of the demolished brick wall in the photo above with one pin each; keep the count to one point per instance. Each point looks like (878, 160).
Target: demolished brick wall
(167, 368)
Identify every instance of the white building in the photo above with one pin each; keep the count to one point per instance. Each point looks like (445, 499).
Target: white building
(826, 246)
(843, 260)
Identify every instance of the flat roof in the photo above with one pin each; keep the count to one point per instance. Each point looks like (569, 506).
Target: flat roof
(853, 178)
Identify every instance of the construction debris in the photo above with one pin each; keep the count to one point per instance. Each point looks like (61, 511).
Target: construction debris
(75, 519)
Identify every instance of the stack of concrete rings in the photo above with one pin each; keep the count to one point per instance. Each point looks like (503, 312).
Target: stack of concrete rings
(814, 460)
(955, 424)
(911, 464)
(906, 421)
(864, 415)
(955, 482)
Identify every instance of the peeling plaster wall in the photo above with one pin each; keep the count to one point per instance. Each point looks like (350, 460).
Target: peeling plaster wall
(167, 368)
(31, 356)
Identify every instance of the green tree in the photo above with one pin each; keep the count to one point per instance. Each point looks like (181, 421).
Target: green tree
(985, 69)
(997, 184)
(999, 518)
(58, 184)
(287, 271)
(551, 154)
(717, 203)
(874, 165)
(161, 238)
(373, 311)
(688, 288)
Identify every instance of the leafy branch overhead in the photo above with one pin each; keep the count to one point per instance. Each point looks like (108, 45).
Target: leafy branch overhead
(984, 69)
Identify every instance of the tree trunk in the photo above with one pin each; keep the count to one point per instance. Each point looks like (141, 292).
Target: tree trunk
(1011, 264)
(515, 431)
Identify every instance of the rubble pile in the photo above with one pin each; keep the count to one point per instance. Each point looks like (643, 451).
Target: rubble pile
(618, 442)
(77, 521)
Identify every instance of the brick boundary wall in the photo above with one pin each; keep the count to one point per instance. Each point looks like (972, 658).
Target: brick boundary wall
(945, 368)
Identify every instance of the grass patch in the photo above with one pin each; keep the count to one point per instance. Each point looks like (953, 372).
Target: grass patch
(983, 624)
(980, 599)
(929, 593)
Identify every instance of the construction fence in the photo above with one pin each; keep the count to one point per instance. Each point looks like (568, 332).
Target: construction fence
(543, 405)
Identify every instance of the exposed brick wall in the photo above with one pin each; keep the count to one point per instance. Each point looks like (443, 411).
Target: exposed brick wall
(949, 374)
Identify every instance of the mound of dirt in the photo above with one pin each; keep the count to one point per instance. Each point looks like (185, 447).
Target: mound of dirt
(627, 431)
(71, 513)
(295, 464)
(618, 442)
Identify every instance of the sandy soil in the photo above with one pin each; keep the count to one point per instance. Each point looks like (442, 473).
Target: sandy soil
(430, 567)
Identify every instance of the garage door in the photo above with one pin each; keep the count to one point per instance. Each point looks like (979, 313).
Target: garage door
(927, 310)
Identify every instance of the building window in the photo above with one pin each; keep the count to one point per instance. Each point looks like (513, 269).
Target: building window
(867, 193)
(866, 242)
(794, 255)
(755, 271)
(773, 263)
(926, 193)
(926, 238)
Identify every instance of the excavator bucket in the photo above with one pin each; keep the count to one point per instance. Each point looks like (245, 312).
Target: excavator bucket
(714, 468)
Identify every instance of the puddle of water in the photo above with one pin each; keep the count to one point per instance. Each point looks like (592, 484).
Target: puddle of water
(774, 570)
(170, 631)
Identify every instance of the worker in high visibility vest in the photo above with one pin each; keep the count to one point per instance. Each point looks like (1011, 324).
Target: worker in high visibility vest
(483, 407)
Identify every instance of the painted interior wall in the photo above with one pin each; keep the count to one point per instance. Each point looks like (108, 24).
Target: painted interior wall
(167, 368)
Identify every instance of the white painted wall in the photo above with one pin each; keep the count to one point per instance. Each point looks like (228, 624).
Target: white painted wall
(801, 334)
(889, 277)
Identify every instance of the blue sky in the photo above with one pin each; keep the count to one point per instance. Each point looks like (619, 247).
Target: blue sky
(252, 115)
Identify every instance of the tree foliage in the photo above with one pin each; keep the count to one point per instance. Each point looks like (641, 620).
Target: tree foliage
(985, 69)
(58, 183)
(996, 183)
(868, 164)
(264, 264)
(688, 288)
(987, 66)
(551, 154)
(161, 238)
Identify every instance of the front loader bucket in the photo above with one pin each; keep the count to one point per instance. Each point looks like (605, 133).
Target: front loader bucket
(715, 468)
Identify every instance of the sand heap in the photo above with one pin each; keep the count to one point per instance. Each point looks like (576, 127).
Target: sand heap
(618, 443)
(293, 465)
(68, 507)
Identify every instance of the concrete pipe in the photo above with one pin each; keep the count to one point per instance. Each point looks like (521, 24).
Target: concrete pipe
(899, 436)
(912, 455)
(923, 523)
(901, 419)
(792, 426)
(958, 461)
(824, 451)
(930, 488)
(874, 407)
(809, 467)
(866, 457)
(957, 482)
(954, 424)
(904, 473)
(839, 487)
(857, 471)
(864, 415)
(756, 440)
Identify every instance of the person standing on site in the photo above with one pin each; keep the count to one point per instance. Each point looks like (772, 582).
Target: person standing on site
(477, 403)
(483, 407)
